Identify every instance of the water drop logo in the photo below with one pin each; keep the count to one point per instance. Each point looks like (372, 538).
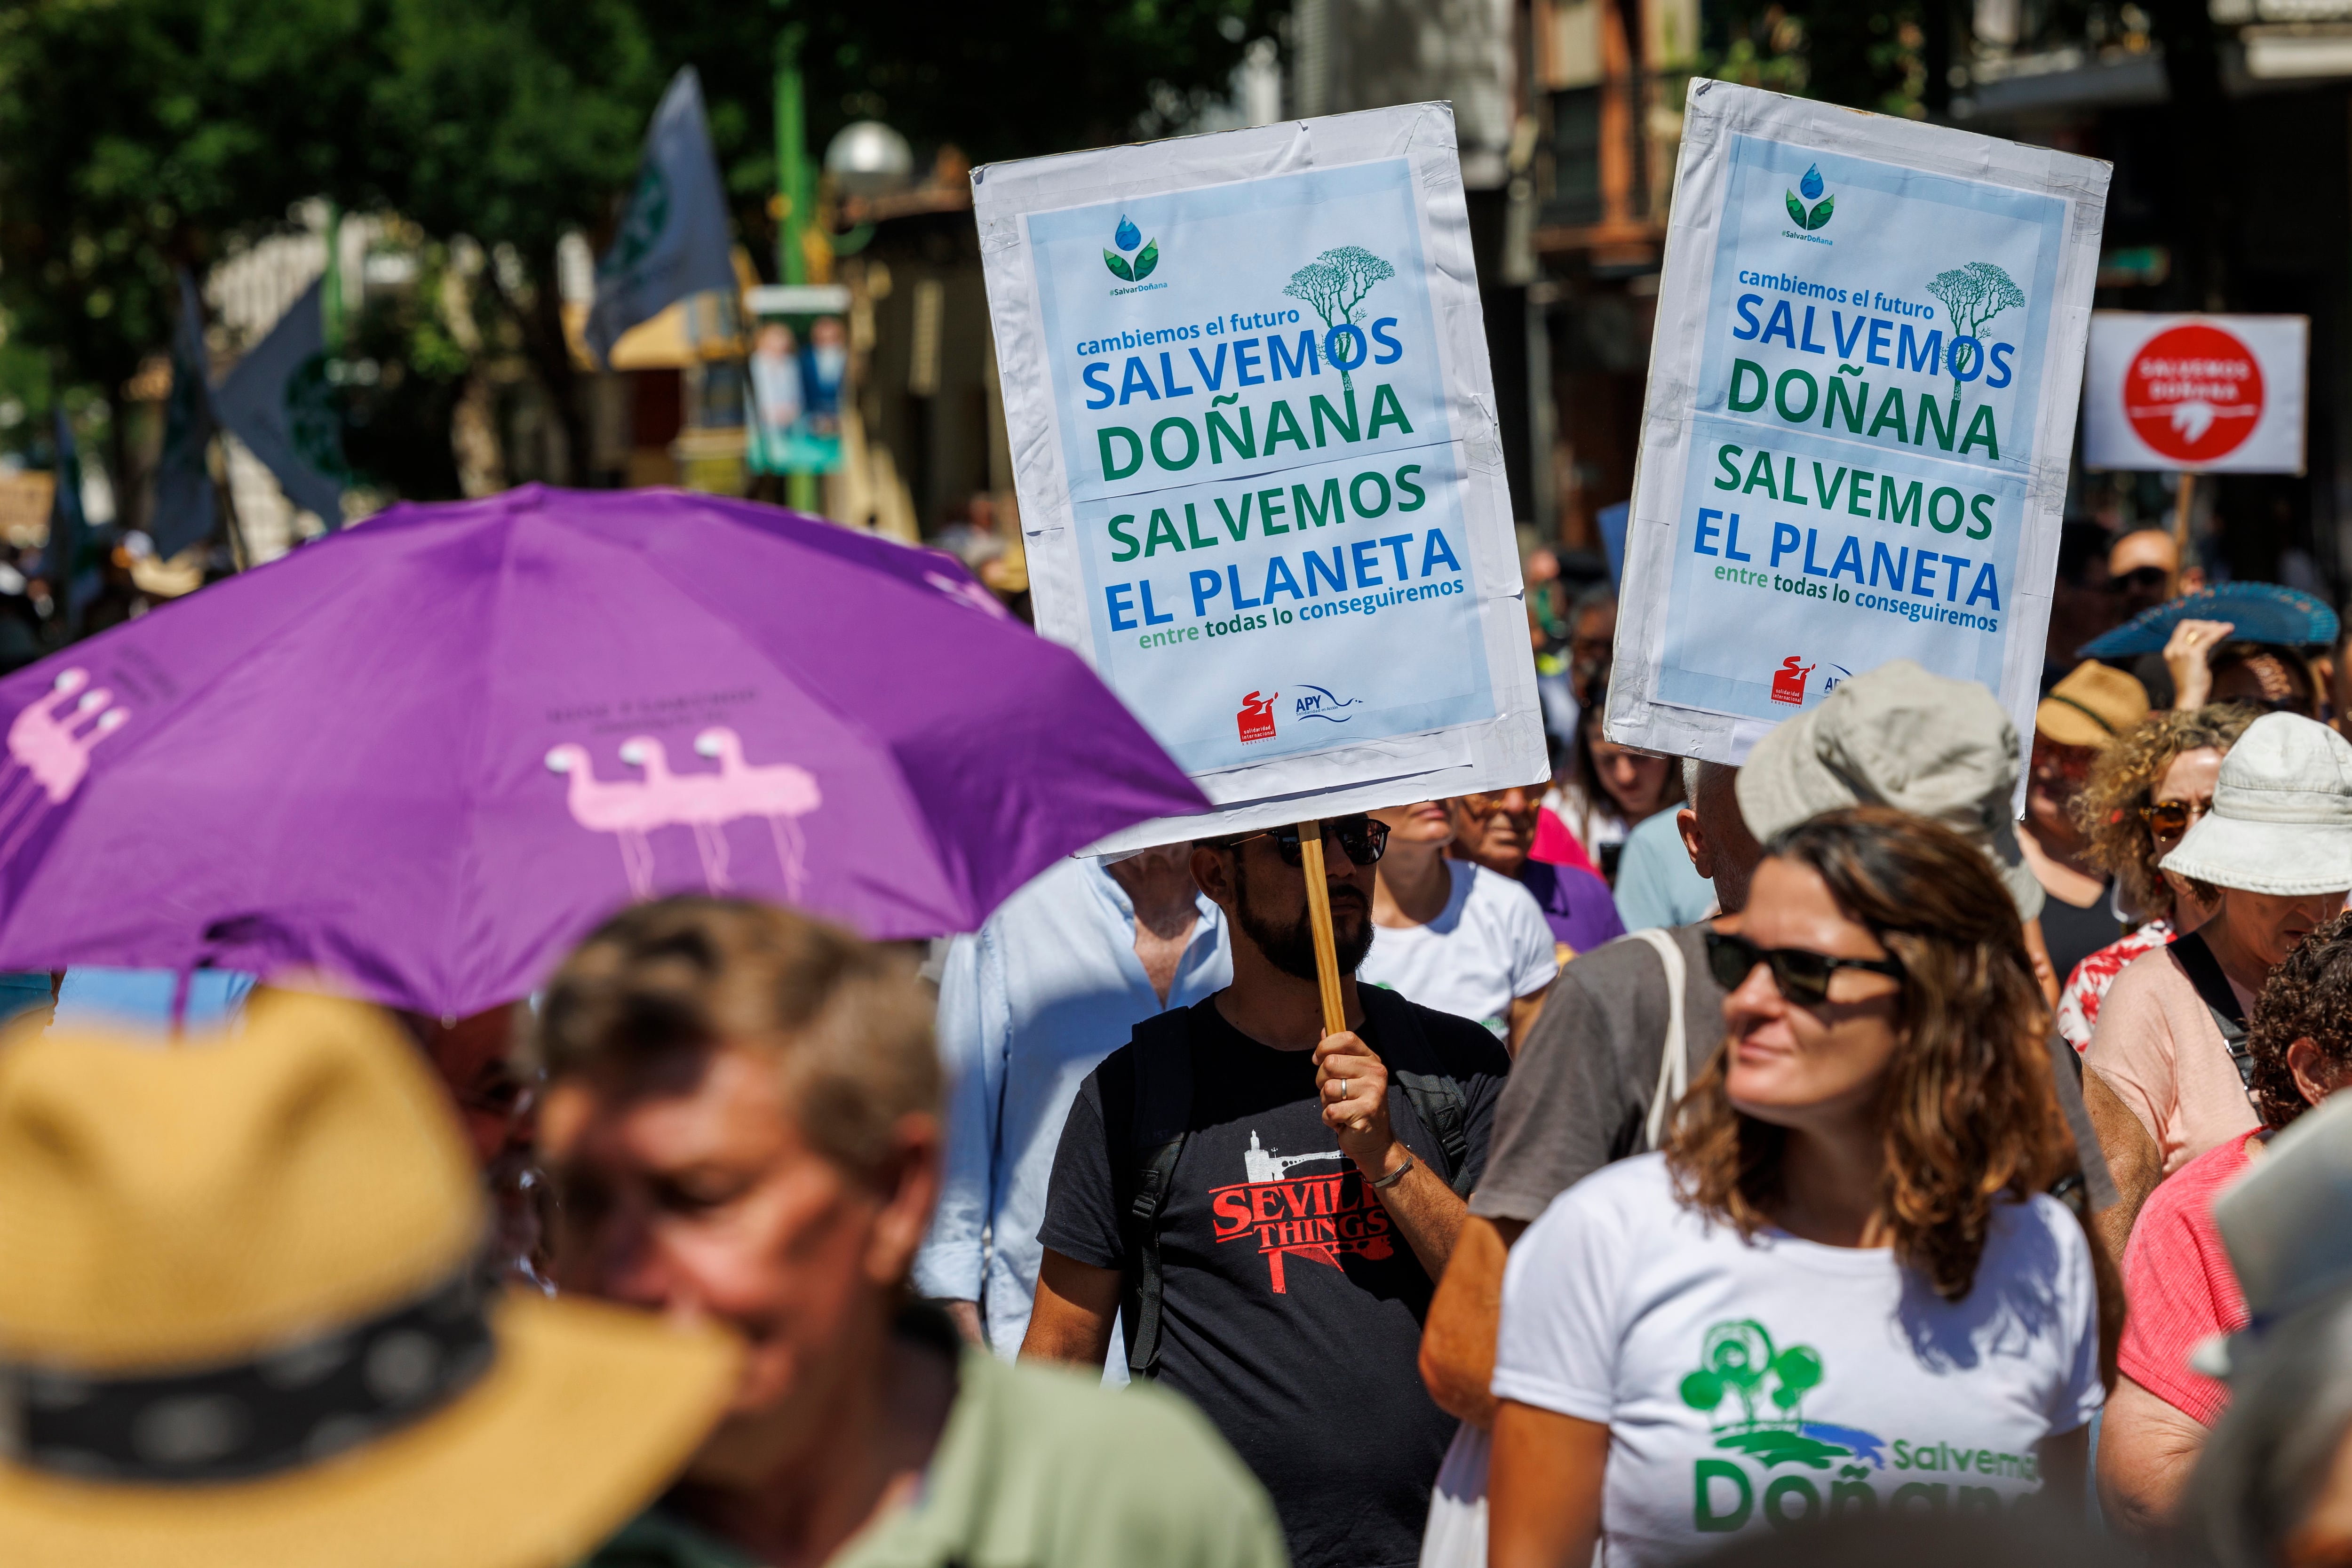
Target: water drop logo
(1127, 238)
(1819, 214)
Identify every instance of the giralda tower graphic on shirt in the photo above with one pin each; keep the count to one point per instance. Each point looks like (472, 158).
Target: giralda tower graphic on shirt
(1318, 1217)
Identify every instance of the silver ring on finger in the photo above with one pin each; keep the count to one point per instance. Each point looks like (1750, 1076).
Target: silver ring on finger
(1343, 1089)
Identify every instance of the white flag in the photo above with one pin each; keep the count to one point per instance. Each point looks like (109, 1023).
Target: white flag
(278, 402)
(673, 239)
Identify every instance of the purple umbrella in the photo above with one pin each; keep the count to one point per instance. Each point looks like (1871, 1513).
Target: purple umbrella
(429, 755)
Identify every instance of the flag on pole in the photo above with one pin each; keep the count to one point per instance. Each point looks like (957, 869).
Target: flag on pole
(69, 531)
(278, 402)
(185, 511)
(673, 239)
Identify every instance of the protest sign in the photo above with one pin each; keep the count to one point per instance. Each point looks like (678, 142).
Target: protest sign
(2211, 394)
(1861, 412)
(1254, 438)
(280, 403)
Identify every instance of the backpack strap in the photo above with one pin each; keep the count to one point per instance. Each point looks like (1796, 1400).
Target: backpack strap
(2213, 989)
(1674, 1056)
(1162, 1051)
(1436, 1098)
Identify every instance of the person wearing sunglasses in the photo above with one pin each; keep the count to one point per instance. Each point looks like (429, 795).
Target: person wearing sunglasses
(1263, 1209)
(2082, 714)
(2142, 796)
(1840, 1288)
(1498, 831)
(2168, 1069)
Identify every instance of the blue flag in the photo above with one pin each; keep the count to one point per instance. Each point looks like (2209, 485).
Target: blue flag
(673, 239)
(68, 533)
(184, 506)
(278, 402)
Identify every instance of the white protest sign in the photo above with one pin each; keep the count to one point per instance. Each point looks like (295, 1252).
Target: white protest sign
(1254, 438)
(1860, 411)
(2215, 395)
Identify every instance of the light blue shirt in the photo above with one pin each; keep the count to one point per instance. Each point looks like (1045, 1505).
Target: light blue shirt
(1028, 1007)
(1657, 883)
(97, 998)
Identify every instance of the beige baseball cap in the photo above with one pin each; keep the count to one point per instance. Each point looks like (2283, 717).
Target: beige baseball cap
(1898, 736)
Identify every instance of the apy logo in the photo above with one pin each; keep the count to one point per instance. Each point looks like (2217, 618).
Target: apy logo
(1256, 717)
(1321, 702)
(1127, 238)
(1817, 216)
(1788, 682)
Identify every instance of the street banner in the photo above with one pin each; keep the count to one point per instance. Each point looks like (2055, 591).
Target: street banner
(1860, 411)
(280, 403)
(673, 239)
(2209, 394)
(184, 509)
(1261, 482)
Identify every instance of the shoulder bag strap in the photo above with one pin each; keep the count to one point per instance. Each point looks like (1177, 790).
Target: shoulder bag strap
(1674, 1061)
(2213, 989)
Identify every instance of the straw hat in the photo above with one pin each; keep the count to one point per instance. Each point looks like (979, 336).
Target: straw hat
(241, 1321)
(2281, 817)
(1898, 736)
(2091, 706)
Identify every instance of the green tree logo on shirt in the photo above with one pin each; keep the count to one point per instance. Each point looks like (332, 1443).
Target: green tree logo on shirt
(1737, 1362)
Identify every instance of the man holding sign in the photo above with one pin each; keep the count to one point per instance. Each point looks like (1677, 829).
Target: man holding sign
(1270, 1205)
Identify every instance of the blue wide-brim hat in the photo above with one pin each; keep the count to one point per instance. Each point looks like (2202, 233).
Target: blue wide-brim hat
(2258, 612)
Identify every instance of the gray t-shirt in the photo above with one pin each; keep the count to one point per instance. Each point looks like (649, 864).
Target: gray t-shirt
(1578, 1095)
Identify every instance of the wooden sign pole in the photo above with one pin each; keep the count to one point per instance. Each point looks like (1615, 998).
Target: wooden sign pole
(1326, 947)
(2180, 524)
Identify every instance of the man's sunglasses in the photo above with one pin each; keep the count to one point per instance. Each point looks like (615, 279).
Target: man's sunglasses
(1361, 839)
(2172, 818)
(1802, 976)
(2143, 580)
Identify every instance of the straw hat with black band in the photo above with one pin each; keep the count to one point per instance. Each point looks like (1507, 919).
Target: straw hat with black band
(2093, 705)
(243, 1321)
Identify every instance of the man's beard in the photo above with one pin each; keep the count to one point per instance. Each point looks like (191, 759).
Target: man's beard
(1291, 947)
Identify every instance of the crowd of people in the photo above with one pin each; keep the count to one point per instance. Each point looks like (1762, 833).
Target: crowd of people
(1864, 1155)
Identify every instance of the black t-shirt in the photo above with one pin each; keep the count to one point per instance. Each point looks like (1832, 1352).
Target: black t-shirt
(1291, 1305)
(2073, 934)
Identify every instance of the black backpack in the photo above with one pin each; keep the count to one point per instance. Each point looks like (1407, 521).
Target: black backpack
(1161, 1053)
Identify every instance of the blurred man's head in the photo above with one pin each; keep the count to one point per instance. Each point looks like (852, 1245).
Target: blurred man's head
(1260, 881)
(2145, 568)
(2082, 600)
(1714, 834)
(742, 1121)
(1495, 829)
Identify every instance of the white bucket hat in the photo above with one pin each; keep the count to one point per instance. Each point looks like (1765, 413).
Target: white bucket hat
(1898, 736)
(2281, 817)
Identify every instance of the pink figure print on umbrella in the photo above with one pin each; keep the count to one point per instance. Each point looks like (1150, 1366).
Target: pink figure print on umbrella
(623, 807)
(49, 747)
(631, 809)
(778, 791)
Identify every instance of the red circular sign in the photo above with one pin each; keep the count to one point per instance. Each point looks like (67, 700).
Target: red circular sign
(2194, 393)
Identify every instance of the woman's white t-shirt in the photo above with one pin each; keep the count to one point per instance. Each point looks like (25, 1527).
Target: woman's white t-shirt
(1750, 1384)
(1488, 946)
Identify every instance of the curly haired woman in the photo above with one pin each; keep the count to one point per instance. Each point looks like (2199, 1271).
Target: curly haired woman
(2144, 792)
(2178, 1278)
(1839, 1286)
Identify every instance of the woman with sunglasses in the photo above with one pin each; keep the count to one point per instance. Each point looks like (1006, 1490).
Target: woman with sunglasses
(2141, 798)
(1838, 1289)
(2168, 1067)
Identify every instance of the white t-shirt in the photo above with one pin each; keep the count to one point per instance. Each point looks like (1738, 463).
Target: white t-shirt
(1488, 946)
(1750, 1385)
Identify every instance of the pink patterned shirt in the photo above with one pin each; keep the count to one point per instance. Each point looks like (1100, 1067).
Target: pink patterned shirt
(2079, 999)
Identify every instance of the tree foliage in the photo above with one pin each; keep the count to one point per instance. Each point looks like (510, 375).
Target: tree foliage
(139, 135)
